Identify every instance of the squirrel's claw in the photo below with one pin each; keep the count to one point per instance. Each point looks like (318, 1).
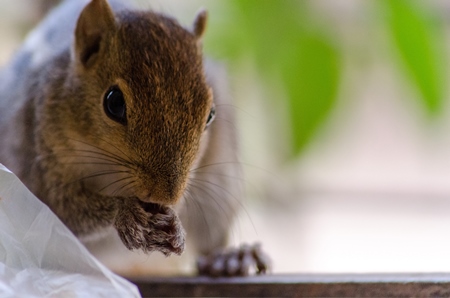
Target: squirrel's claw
(239, 261)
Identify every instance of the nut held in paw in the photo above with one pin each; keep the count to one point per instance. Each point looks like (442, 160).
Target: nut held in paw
(150, 227)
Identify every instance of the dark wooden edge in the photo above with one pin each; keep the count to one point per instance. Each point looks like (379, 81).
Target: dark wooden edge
(299, 285)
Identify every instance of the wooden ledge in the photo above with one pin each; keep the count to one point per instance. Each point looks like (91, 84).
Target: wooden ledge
(299, 285)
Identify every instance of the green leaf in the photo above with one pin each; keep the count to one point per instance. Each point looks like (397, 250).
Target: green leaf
(420, 46)
(312, 75)
(280, 38)
(285, 43)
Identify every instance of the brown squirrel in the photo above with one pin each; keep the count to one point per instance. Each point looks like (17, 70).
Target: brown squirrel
(106, 114)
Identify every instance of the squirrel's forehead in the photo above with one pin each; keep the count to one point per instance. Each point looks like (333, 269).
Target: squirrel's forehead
(153, 30)
(157, 53)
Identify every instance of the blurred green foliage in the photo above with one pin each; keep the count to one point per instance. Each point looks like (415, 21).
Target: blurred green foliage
(287, 45)
(290, 42)
(418, 37)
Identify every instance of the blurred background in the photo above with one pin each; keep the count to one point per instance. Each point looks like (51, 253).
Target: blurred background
(344, 116)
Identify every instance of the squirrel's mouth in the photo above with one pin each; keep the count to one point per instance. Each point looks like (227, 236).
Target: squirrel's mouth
(152, 208)
(163, 198)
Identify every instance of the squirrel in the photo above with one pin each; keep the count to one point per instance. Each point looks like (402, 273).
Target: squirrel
(112, 117)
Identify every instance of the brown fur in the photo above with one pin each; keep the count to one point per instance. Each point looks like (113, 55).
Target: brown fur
(95, 173)
(89, 169)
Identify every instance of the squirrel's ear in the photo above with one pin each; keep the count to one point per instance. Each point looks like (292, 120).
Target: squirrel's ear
(95, 21)
(200, 23)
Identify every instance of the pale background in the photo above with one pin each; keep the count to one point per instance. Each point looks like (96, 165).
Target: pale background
(370, 193)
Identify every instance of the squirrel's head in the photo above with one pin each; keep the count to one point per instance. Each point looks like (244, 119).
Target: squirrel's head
(139, 104)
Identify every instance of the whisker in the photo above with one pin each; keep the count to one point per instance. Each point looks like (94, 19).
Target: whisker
(98, 174)
(221, 207)
(218, 186)
(225, 213)
(235, 162)
(214, 164)
(232, 196)
(201, 212)
(243, 180)
(111, 157)
(92, 163)
(97, 156)
(93, 175)
(118, 149)
(102, 152)
(114, 182)
(233, 125)
(92, 157)
(109, 153)
(130, 186)
(221, 175)
(227, 105)
(117, 190)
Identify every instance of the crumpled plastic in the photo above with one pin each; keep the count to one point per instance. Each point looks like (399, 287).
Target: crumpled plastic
(39, 255)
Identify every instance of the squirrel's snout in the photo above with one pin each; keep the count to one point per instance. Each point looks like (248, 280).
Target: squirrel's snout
(160, 195)
(162, 200)
(146, 198)
(162, 188)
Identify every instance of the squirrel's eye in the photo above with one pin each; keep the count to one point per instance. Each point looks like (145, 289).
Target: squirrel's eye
(211, 116)
(114, 105)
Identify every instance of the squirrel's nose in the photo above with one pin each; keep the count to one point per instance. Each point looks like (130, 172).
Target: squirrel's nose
(161, 189)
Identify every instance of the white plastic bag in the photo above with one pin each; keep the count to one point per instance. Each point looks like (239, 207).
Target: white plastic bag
(40, 257)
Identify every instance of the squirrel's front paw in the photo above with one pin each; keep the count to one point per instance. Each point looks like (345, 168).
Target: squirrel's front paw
(150, 227)
(234, 261)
